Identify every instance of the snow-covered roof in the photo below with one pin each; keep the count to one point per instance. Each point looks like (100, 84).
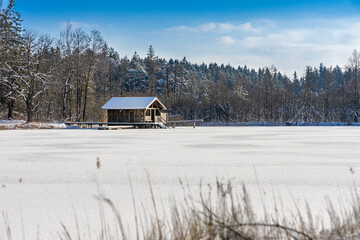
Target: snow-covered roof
(131, 103)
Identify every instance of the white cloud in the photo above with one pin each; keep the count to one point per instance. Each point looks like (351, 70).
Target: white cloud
(217, 28)
(247, 27)
(293, 48)
(225, 27)
(207, 27)
(226, 40)
(179, 28)
(290, 46)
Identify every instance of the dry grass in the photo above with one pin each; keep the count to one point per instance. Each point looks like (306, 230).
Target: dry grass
(216, 213)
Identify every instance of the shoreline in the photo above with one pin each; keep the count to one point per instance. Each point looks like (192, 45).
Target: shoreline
(20, 124)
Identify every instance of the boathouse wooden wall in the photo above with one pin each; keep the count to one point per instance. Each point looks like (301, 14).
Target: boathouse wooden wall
(136, 115)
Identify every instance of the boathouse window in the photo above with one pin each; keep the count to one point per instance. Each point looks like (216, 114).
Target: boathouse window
(157, 112)
(147, 112)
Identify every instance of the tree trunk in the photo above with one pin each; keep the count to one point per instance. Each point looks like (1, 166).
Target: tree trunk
(10, 109)
(167, 86)
(63, 112)
(49, 108)
(85, 99)
(87, 81)
(28, 112)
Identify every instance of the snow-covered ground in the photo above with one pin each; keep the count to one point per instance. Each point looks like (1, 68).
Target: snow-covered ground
(20, 124)
(48, 175)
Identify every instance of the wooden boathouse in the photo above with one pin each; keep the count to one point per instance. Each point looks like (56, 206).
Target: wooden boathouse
(134, 112)
(137, 111)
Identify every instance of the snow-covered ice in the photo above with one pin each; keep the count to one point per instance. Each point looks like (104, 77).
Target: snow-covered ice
(47, 175)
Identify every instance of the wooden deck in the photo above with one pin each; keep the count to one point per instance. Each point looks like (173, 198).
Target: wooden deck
(126, 125)
(113, 125)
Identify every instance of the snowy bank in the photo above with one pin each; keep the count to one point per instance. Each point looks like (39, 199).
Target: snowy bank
(19, 124)
(329, 124)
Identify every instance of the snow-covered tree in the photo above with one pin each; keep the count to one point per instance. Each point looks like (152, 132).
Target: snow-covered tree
(354, 67)
(151, 68)
(33, 78)
(10, 49)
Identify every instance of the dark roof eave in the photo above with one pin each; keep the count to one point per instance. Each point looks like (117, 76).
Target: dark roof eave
(123, 108)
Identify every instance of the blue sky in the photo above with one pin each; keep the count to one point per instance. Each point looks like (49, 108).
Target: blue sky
(287, 34)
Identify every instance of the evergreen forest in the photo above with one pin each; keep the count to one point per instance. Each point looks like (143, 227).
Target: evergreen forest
(69, 78)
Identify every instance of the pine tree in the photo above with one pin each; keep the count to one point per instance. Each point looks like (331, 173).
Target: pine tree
(136, 77)
(124, 70)
(151, 69)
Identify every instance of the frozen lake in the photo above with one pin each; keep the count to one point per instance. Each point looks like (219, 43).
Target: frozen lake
(58, 169)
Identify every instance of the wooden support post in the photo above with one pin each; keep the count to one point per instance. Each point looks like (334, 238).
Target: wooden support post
(194, 124)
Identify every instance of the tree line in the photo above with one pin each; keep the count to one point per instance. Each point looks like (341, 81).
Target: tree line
(71, 77)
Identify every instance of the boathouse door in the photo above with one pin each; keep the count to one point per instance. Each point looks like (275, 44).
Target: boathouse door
(152, 115)
(132, 117)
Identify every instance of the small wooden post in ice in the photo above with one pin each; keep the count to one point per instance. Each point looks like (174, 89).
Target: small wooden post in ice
(194, 124)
